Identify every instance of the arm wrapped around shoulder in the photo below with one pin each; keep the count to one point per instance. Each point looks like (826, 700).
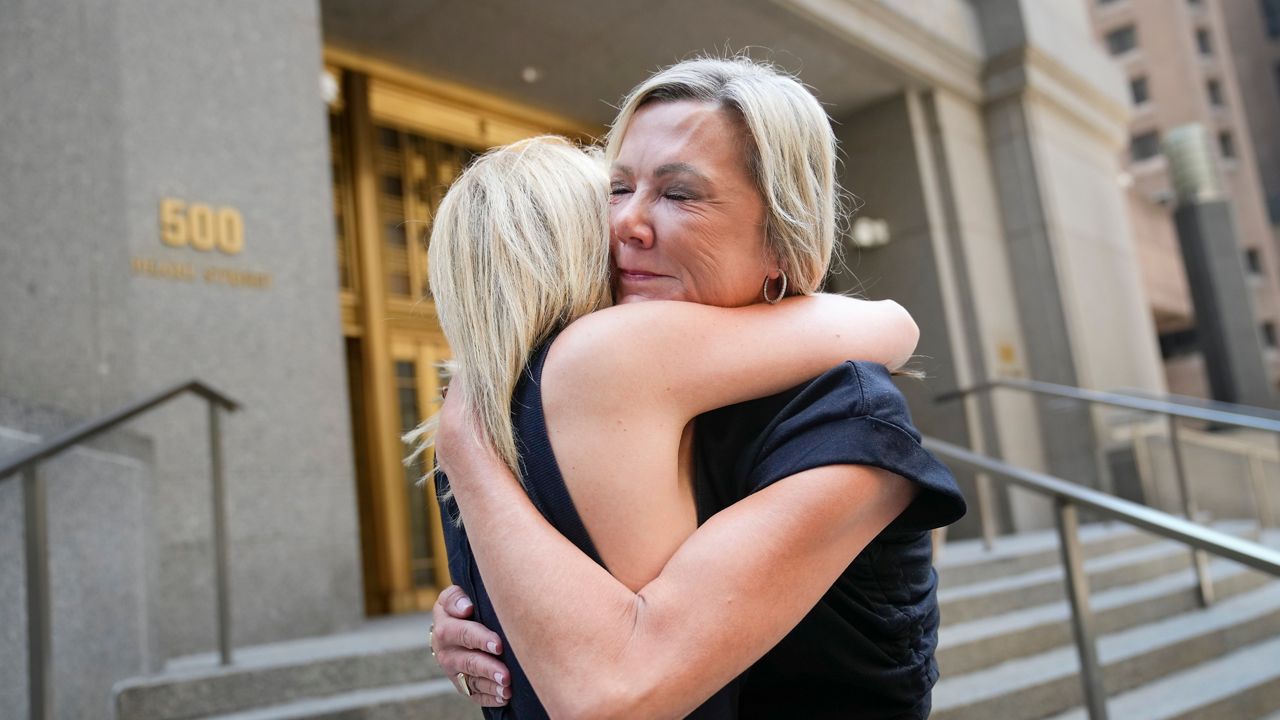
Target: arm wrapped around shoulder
(853, 414)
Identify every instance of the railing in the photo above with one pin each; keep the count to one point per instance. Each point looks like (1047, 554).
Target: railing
(39, 630)
(1253, 455)
(1208, 412)
(1067, 498)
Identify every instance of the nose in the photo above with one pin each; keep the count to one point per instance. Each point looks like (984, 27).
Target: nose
(629, 222)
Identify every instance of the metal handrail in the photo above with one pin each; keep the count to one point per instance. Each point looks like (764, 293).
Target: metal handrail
(1067, 498)
(35, 518)
(1238, 408)
(1171, 410)
(1133, 402)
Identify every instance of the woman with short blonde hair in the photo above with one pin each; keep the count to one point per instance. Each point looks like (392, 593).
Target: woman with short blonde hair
(645, 564)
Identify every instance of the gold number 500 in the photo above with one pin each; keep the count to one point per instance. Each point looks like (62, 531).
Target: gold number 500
(201, 227)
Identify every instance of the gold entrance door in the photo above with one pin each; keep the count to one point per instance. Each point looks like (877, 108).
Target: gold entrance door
(418, 380)
(397, 142)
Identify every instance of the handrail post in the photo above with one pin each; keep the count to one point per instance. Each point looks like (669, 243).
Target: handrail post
(986, 513)
(39, 607)
(1258, 483)
(1199, 558)
(1095, 694)
(220, 537)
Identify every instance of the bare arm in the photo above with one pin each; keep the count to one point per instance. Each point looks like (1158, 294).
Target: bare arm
(689, 358)
(605, 649)
(620, 386)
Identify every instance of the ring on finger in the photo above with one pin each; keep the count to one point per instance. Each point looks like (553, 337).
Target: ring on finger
(465, 689)
(431, 639)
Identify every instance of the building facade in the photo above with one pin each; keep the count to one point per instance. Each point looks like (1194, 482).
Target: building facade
(1197, 62)
(240, 193)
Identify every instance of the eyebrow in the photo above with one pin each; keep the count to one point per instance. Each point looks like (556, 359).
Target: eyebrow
(675, 168)
(678, 168)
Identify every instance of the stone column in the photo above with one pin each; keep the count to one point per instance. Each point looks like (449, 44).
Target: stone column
(166, 198)
(1056, 120)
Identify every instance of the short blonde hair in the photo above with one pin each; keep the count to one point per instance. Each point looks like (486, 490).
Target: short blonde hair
(519, 249)
(791, 153)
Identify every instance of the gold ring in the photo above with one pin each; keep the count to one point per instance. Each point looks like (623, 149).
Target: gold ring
(466, 689)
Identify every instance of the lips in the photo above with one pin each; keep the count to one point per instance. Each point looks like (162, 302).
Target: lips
(637, 275)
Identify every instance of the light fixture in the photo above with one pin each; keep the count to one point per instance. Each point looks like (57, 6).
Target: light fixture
(868, 233)
(530, 74)
(329, 88)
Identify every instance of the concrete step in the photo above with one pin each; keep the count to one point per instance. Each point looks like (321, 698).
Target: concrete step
(1048, 683)
(1244, 684)
(966, 647)
(999, 596)
(382, 653)
(962, 562)
(435, 699)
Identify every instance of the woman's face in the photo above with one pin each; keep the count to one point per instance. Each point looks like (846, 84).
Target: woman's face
(686, 221)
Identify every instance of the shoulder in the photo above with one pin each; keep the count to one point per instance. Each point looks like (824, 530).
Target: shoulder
(854, 414)
(612, 356)
(623, 341)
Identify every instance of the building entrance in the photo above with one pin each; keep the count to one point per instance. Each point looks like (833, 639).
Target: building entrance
(397, 141)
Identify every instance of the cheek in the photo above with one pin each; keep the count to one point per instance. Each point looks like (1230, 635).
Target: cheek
(719, 270)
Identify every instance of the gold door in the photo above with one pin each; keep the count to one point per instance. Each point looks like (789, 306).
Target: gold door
(397, 142)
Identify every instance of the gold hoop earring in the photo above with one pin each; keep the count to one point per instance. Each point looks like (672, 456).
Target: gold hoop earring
(781, 293)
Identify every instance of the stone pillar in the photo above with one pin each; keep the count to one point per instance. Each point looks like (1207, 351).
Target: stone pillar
(1056, 122)
(168, 216)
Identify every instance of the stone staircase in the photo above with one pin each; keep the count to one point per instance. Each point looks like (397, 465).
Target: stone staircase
(1006, 648)
(382, 671)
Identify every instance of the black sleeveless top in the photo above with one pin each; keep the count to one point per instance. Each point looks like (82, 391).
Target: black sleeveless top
(547, 490)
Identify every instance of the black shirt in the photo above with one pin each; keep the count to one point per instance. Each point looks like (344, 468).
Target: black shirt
(867, 649)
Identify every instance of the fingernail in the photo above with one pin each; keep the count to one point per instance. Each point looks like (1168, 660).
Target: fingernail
(493, 648)
(499, 677)
(463, 604)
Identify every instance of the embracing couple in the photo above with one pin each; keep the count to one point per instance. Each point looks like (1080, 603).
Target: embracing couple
(712, 504)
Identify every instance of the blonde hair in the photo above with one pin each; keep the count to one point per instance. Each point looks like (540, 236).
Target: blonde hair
(519, 249)
(791, 152)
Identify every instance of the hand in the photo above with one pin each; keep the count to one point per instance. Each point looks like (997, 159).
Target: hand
(463, 646)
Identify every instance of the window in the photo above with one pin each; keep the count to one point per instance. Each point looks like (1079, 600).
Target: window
(1269, 334)
(1226, 144)
(1122, 41)
(1203, 42)
(1146, 145)
(1214, 88)
(1253, 261)
(1177, 344)
(1138, 88)
(1271, 13)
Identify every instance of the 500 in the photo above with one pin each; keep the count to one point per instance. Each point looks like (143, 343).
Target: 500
(200, 226)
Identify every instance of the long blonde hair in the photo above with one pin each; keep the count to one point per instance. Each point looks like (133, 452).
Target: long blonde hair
(519, 249)
(791, 152)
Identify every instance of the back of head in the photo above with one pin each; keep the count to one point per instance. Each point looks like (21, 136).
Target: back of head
(791, 151)
(519, 249)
